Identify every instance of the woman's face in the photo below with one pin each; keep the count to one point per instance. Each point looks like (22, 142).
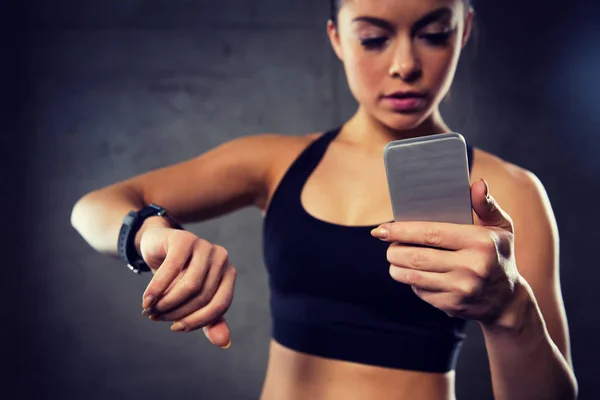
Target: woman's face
(400, 56)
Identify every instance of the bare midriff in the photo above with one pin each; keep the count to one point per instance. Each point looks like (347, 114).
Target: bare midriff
(297, 376)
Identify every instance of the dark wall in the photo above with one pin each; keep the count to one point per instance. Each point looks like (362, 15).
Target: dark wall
(13, 183)
(100, 91)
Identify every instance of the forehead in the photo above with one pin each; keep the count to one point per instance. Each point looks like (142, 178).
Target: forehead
(399, 11)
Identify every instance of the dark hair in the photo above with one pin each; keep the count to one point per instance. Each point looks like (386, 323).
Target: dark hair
(334, 8)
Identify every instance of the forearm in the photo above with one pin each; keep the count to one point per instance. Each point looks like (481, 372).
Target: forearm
(98, 216)
(524, 361)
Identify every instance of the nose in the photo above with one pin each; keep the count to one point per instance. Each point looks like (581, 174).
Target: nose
(405, 64)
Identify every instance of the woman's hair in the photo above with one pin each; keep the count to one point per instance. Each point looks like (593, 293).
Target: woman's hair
(334, 8)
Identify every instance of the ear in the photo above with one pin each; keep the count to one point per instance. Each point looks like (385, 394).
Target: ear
(468, 26)
(334, 38)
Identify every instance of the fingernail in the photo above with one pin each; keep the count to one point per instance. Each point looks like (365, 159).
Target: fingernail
(145, 312)
(228, 345)
(177, 327)
(148, 301)
(380, 233)
(487, 188)
(155, 317)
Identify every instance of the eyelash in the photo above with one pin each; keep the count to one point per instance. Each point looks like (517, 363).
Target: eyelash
(434, 39)
(374, 43)
(437, 39)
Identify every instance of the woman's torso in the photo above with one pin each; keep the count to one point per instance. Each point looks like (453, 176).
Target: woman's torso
(348, 187)
(297, 376)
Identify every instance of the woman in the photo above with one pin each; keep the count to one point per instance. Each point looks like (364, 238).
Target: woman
(361, 310)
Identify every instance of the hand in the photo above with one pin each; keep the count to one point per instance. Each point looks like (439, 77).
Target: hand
(193, 282)
(467, 271)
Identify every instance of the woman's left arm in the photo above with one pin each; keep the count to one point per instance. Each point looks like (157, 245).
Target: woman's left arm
(528, 345)
(502, 272)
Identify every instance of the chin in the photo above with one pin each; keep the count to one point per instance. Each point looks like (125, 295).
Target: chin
(403, 121)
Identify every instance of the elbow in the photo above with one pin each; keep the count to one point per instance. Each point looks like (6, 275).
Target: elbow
(573, 385)
(574, 393)
(570, 389)
(80, 218)
(78, 213)
(90, 219)
(82, 212)
(570, 393)
(98, 215)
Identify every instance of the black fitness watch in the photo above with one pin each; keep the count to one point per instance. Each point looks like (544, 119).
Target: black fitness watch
(131, 225)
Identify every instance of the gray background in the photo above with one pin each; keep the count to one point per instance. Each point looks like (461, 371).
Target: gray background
(99, 91)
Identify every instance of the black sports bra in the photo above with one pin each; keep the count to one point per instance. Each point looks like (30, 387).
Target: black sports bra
(331, 292)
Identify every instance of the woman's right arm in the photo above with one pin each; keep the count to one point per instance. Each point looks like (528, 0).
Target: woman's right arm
(193, 280)
(226, 178)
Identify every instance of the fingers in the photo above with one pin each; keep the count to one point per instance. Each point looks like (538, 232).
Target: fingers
(441, 300)
(166, 312)
(193, 286)
(462, 301)
(430, 281)
(431, 234)
(218, 333)
(424, 258)
(457, 293)
(214, 310)
(178, 252)
(199, 280)
(487, 208)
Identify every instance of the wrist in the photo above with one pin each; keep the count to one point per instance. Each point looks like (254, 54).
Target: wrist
(156, 221)
(135, 225)
(518, 314)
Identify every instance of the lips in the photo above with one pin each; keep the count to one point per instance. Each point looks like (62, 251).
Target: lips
(410, 101)
(406, 95)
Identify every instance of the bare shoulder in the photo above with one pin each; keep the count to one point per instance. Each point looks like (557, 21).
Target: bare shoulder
(518, 190)
(280, 143)
(504, 175)
(277, 152)
(274, 150)
(268, 142)
(288, 149)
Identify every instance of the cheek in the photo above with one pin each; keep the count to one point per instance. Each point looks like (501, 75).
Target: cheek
(365, 74)
(439, 69)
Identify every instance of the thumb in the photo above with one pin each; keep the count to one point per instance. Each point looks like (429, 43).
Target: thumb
(218, 333)
(487, 208)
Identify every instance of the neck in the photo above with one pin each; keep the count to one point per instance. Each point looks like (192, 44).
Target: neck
(367, 132)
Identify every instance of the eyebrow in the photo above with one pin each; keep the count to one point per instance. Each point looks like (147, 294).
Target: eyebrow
(421, 23)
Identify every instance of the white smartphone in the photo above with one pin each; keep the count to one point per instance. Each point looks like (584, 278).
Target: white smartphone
(428, 179)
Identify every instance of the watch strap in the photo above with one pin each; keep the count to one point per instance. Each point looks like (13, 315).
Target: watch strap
(132, 223)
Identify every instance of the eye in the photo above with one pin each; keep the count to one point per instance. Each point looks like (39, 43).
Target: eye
(374, 43)
(436, 39)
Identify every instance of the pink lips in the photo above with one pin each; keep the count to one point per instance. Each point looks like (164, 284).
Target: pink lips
(405, 101)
